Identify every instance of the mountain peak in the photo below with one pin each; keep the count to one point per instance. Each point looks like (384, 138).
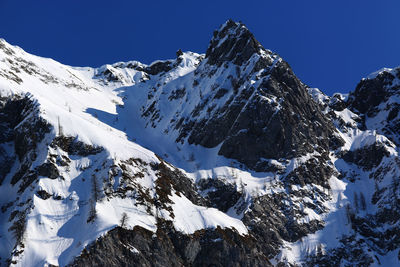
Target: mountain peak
(234, 42)
(231, 155)
(374, 90)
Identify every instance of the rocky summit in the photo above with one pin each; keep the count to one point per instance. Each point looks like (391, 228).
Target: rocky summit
(217, 159)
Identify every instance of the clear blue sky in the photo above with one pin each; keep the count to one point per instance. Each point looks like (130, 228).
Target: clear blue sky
(329, 44)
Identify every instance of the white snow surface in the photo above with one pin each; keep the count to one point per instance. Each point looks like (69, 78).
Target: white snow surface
(374, 74)
(86, 106)
(107, 114)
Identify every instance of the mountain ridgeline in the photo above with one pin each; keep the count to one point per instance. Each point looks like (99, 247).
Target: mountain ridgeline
(217, 159)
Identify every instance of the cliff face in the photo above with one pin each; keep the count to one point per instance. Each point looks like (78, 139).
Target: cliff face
(222, 159)
(246, 100)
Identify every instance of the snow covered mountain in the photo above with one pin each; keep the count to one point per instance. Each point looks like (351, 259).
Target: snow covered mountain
(224, 158)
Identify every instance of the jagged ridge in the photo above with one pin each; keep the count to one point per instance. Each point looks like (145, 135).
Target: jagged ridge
(268, 168)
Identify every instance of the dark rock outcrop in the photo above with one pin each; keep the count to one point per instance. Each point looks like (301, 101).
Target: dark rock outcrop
(43, 194)
(167, 247)
(367, 157)
(23, 129)
(220, 194)
(272, 220)
(257, 113)
(49, 170)
(233, 42)
(159, 67)
(174, 179)
(371, 92)
(276, 119)
(377, 95)
(75, 147)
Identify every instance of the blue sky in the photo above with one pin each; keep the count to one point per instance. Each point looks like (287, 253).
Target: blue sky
(329, 44)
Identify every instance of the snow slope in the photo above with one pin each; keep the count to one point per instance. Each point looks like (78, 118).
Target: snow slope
(120, 151)
(75, 102)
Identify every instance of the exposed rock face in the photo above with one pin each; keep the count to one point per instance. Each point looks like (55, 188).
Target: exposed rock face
(48, 169)
(173, 179)
(376, 99)
(74, 147)
(233, 42)
(350, 252)
(262, 131)
(371, 92)
(167, 247)
(273, 221)
(261, 111)
(244, 164)
(22, 131)
(367, 157)
(220, 195)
